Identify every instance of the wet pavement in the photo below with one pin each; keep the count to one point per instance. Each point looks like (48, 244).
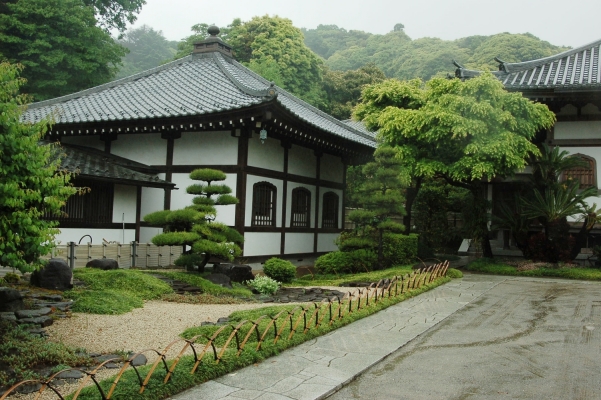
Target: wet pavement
(525, 338)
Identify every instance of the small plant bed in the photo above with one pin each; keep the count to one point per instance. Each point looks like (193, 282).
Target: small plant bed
(115, 291)
(226, 355)
(195, 279)
(530, 268)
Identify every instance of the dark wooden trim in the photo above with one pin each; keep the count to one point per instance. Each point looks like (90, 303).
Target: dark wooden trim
(317, 185)
(579, 118)
(343, 219)
(576, 142)
(273, 229)
(262, 259)
(89, 225)
(168, 173)
(261, 172)
(286, 146)
(139, 211)
(240, 216)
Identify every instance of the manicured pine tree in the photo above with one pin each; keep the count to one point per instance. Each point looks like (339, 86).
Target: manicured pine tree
(195, 225)
(380, 197)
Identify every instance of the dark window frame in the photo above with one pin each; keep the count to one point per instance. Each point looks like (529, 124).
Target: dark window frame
(329, 214)
(93, 206)
(300, 210)
(586, 176)
(264, 206)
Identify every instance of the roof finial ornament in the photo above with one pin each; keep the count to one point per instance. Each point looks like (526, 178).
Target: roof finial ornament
(455, 63)
(502, 63)
(213, 30)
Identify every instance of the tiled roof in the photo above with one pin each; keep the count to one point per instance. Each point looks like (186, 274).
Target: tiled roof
(90, 163)
(576, 69)
(198, 84)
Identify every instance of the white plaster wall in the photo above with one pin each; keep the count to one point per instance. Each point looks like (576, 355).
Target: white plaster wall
(250, 181)
(75, 234)
(147, 233)
(298, 243)
(153, 199)
(331, 168)
(87, 141)
(269, 155)
(147, 148)
(261, 243)
(301, 161)
(212, 148)
(324, 190)
(578, 130)
(294, 185)
(325, 242)
(124, 202)
(181, 199)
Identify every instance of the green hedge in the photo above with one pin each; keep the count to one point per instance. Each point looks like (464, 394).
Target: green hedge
(280, 270)
(399, 249)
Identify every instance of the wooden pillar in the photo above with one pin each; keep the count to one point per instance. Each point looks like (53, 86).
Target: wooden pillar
(243, 137)
(138, 211)
(286, 146)
(318, 155)
(170, 137)
(344, 168)
(108, 138)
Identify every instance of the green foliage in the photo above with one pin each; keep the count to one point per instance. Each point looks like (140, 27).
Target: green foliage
(12, 278)
(195, 226)
(31, 183)
(435, 201)
(346, 262)
(280, 270)
(485, 265)
(264, 285)
(399, 249)
(147, 49)
(115, 14)
(114, 292)
(454, 273)
(189, 261)
(206, 286)
(59, 44)
(24, 353)
(465, 132)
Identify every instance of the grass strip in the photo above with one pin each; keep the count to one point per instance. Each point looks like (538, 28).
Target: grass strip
(340, 280)
(196, 279)
(128, 387)
(488, 266)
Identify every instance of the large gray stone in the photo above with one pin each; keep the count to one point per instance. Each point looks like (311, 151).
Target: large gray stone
(236, 272)
(219, 279)
(56, 275)
(10, 300)
(103, 263)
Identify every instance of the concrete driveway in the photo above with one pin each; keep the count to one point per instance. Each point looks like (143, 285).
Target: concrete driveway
(522, 339)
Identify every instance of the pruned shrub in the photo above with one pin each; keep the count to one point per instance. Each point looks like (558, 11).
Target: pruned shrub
(280, 270)
(346, 262)
(454, 273)
(399, 249)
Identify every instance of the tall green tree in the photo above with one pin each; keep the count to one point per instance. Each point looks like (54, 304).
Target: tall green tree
(59, 44)
(195, 225)
(115, 14)
(343, 88)
(380, 197)
(147, 47)
(32, 185)
(465, 132)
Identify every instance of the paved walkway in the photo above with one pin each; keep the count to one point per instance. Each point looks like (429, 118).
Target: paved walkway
(318, 368)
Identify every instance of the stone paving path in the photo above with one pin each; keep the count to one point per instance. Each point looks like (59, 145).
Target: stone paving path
(322, 366)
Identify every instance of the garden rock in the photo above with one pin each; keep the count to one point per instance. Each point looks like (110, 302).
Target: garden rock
(8, 316)
(104, 264)
(236, 272)
(56, 275)
(33, 313)
(40, 321)
(219, 279)
(70, 374)
(139, 360)
(10, 300)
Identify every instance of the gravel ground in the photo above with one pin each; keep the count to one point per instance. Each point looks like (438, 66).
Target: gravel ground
(154, 326)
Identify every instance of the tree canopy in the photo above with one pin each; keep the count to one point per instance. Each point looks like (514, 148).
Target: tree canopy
(32, 186)
(465, 132)
(115, 14)
(59, 44)
(147, 49)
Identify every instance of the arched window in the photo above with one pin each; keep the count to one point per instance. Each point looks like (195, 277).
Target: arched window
(264, 204)
(585, 174)
(329, 216)
(301, 208)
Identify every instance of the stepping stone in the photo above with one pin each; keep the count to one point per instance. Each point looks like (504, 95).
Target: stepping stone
(70, 374)
(33, 313)
(41, 321)
(29, 388)
(139, 360)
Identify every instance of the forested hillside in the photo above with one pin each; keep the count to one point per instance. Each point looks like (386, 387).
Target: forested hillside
(398, 56)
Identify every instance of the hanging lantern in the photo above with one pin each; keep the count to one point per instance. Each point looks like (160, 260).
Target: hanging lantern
(263, 135)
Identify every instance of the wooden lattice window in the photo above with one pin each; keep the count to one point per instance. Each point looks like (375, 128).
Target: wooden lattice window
(264, 204)
(301, 208)
(93, 206)
(329, 216)
(585, 174)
